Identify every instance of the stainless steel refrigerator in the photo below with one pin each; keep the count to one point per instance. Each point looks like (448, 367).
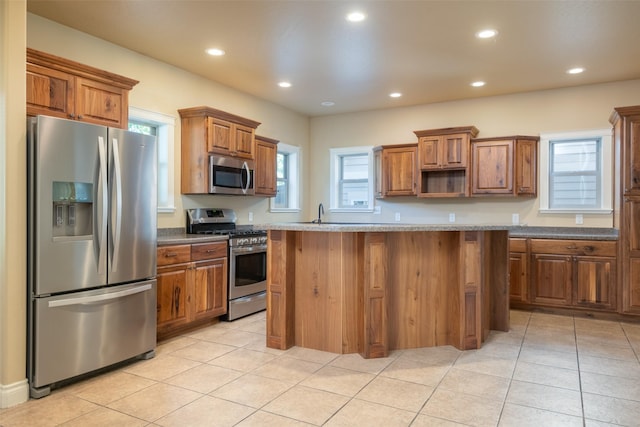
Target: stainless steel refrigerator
(91, 249)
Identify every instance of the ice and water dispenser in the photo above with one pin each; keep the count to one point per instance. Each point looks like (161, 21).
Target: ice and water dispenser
(72, 209)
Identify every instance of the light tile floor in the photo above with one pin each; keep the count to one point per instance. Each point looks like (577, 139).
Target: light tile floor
(549, 370)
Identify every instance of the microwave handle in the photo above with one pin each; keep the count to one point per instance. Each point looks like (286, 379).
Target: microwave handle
(246, 188)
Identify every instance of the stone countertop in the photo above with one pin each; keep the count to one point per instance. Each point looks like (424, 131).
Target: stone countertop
(377, 227)
(177, 236)
(578, 233)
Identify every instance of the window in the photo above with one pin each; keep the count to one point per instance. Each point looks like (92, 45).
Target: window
(287, 179)
(163, 127)
(578, 172)
(351, 175)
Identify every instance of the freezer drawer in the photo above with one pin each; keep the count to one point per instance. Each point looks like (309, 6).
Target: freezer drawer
(84, 331)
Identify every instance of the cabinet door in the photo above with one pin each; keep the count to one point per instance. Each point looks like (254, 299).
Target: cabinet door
(209, 295)
(454, 149)
(172, 296)
(518, 277)
(50, 92)
(399, 170)
(551, 279)
(219, 136)
(429, 151)
(595, 282)
(265, 169)
(243, 141)
(492, 165)
(526, 165)
(101, 104)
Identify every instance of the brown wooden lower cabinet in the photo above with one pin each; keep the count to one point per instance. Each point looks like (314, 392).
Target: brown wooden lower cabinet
(563, 273)
(192, 285)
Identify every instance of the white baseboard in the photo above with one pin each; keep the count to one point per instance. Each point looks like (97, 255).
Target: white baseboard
(13, 394)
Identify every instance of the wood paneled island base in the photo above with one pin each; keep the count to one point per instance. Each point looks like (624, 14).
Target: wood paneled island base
(346, 290)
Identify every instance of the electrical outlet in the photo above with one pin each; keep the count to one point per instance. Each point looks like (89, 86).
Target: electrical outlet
(515, 219)
(452, 217)
(377, 210)
(250, 216)
(579, 219)
(397, 216)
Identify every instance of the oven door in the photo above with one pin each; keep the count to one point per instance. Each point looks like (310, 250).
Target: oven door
(247, 270)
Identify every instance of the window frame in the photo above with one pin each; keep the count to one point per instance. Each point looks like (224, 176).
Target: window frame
(336, 155)
(605, 176)
(293, 172)
(166, 137)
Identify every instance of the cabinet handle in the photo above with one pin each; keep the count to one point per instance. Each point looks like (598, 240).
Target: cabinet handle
(80, 116)
(170, 254)
(572, 247)
(211, 250)
(72, 116)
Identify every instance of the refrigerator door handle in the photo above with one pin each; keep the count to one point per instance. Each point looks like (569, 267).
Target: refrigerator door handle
(118, 204)
(99, 298)
(103, 204)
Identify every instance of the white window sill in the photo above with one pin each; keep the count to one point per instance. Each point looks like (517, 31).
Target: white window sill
(339, 210)
(166, 209)
(576, 211)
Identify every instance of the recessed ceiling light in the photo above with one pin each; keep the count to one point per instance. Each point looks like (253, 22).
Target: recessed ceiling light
(356, 17)
(284, 84)
(576, 70)
(327, 103)
(215, 52)
(395, 94)
(487, 34)
(478, 84)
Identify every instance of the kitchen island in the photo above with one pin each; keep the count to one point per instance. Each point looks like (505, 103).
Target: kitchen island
(372, 288)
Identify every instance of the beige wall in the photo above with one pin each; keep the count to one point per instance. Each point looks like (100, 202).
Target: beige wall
(13, 387)
(563, 110)
(165, 89)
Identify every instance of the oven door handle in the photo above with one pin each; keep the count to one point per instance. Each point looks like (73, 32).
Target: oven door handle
(248, 249)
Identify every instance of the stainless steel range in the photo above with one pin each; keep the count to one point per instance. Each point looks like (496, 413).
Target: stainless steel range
(247, 258)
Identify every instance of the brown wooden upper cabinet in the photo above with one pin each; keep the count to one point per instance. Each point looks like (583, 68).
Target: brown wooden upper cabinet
(62, 88)
(265, 166)
(504, 166)
(443, 156)
(396, 170)
(446, 148)
(204, 131)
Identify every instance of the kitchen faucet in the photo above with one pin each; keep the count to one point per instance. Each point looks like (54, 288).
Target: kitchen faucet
(320, 213)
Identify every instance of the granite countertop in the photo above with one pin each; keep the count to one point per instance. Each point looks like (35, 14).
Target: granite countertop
(178, 236)
(578, 233)
(377, 227)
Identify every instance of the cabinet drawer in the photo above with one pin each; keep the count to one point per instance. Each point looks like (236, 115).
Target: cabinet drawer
(174, 254)
(202, 251)
(517, 245)
(573, 247)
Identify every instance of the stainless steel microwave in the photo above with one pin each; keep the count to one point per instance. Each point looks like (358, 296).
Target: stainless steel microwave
(230, 175)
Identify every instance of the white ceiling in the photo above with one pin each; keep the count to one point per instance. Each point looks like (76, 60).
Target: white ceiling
(425, 49)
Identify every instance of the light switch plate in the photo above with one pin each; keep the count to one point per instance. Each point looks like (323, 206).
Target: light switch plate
(452, 217)
(579, 219)
(250, 216)
(515, 219)
(377, 210)
(397, 216)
